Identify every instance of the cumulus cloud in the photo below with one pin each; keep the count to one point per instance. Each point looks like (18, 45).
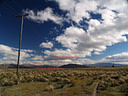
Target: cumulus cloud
(71, 37)
(94, 37)
(46, 45)
(84, 61)
(58, 62)
(49, 62)
(44, 15)
(9, 54)
(120, 58)
(108, 30)
(77, 9)
(37, 57)
(50, 55)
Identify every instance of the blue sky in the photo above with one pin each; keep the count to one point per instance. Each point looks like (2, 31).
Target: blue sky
(95, 30)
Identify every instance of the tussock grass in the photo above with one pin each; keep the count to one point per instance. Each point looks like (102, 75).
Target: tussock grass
(64, 82)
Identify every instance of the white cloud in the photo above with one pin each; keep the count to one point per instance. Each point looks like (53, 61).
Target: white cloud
(120, 6)
(111, 29)
(50, 55)
(109, 17)
(9, 54)
(27, 50)
(35, 62)
(37, 57)
(44, 15)
(84, 61)
(71, 36)
(46, 45)
(120, 58)
(58, 62)
(49, 62)
(77, 9)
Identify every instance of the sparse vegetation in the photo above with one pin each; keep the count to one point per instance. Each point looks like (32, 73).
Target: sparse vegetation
(65, 82)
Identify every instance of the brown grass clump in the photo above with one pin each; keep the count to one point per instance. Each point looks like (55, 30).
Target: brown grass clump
(49, 88)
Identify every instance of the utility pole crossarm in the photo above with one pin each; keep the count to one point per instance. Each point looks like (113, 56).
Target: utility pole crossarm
(22, 15)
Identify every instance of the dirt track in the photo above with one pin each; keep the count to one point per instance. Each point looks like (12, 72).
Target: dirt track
(95, 88)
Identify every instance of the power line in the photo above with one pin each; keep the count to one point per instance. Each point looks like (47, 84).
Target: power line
(9, 6)
(13, 13)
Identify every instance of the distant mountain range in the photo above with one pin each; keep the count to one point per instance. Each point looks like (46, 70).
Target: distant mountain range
(15, 66)
(63, 66)
(73, 66)
(23, 66)
(105, 64)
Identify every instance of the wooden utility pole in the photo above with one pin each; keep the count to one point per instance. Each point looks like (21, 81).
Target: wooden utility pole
(17, 71)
